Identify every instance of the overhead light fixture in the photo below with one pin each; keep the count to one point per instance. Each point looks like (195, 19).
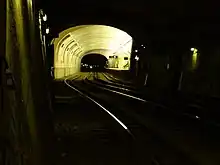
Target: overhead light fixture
(192, 49)
(136, 50)
(45, 17)
(136, 58)
(47, 30)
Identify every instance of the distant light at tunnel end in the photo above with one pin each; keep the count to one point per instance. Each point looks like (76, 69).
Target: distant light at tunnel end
(136, 50)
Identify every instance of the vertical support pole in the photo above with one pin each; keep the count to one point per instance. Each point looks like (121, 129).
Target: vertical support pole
(145, 81)
(2, 56)
(2, 43)
(31, 104)
(136, 66)
(180, 81)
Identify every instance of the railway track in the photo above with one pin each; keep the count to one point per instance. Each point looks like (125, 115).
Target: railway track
(134, 128)
(187, 110)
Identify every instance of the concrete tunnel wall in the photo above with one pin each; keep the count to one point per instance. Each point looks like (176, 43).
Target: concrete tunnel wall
(76, 42)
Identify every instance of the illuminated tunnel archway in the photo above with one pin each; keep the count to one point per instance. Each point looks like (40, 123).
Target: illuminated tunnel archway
(76, 42)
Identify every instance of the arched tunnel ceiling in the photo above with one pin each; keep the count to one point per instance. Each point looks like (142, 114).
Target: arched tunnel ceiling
(96, 38)
(76, 42)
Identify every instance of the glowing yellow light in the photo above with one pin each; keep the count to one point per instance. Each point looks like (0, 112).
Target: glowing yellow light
(194, 57)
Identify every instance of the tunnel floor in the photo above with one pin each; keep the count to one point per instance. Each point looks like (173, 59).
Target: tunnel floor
(85, 135)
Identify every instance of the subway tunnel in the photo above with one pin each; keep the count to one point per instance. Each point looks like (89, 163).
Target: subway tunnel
(76, 42)
(96, 117)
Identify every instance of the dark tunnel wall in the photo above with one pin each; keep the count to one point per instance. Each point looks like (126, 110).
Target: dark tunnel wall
(27, 124)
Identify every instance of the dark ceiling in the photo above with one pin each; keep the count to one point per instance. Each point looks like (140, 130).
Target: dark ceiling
(160, 20)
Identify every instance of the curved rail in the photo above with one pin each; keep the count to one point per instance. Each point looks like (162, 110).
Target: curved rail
(99, 105)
